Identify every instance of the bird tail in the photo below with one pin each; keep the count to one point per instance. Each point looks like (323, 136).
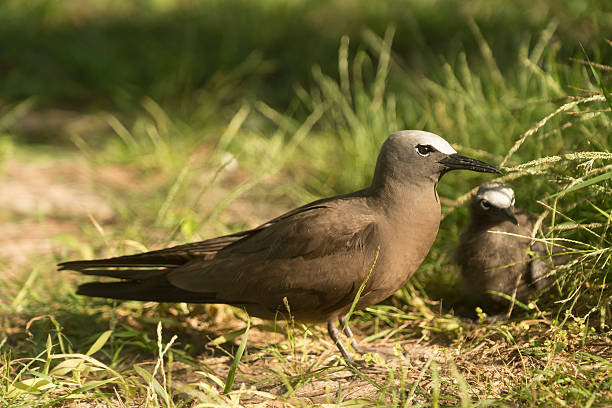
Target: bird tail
(140, 266)
(153, 290)
(143, 278)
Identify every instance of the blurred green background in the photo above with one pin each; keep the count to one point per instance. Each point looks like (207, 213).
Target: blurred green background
(94, 55)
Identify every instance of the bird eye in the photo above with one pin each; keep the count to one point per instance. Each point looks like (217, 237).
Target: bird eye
(424, 150)
(485, 204)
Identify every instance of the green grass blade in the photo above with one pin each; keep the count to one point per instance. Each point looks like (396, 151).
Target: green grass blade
(362, 287)
(153, 383)
(229, 382)
(100, 342)
(600, 83)
(584, 184)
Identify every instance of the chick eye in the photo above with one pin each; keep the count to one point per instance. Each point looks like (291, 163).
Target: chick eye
(485, 204)
(424, 150)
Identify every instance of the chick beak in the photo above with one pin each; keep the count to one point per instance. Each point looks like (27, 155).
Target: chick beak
(507, 212)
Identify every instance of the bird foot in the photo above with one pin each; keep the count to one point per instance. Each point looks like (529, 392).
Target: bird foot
(357, 363)
(385, 351)
(372, 358)
(374, 355)
(366, 365)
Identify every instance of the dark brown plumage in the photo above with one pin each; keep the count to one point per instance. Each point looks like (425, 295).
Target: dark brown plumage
(316, 256)
(498, 262)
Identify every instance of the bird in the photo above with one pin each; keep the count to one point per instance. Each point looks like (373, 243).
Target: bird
(311, 263)
(494, 262)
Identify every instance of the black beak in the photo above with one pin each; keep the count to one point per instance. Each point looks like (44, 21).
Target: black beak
(458, 162)
(507, 212)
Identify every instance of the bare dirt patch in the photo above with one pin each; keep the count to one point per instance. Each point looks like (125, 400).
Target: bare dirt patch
(40, 200)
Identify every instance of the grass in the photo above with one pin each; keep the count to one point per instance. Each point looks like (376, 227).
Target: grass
(183, 155)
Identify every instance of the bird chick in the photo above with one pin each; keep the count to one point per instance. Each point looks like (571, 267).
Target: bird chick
(494, 262)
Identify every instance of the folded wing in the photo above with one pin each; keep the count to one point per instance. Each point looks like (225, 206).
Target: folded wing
(315, 256)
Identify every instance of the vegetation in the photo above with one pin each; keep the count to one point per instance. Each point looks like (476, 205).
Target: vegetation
(126, 127)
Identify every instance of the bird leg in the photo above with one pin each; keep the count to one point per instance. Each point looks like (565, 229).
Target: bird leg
(360, 349)
(349, 334)
(333, 333)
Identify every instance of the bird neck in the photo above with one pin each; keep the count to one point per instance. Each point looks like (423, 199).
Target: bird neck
(407, 201)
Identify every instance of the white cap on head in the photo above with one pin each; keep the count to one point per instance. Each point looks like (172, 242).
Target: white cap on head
(428, 138)
(498, 194)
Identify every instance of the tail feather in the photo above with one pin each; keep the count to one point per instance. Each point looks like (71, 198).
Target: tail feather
(144, 275)
(140, 266)
(126, 273)
(167, 257)
(155, 290)
(121, 261)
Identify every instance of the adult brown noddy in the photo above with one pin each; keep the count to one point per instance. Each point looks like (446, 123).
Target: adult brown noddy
(314, 258)
(498, 262)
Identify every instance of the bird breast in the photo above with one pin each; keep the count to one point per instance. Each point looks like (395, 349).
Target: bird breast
(408, 241)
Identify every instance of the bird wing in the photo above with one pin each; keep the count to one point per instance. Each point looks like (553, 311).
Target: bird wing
(538, 267)
(316, 257)
(154, 263)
